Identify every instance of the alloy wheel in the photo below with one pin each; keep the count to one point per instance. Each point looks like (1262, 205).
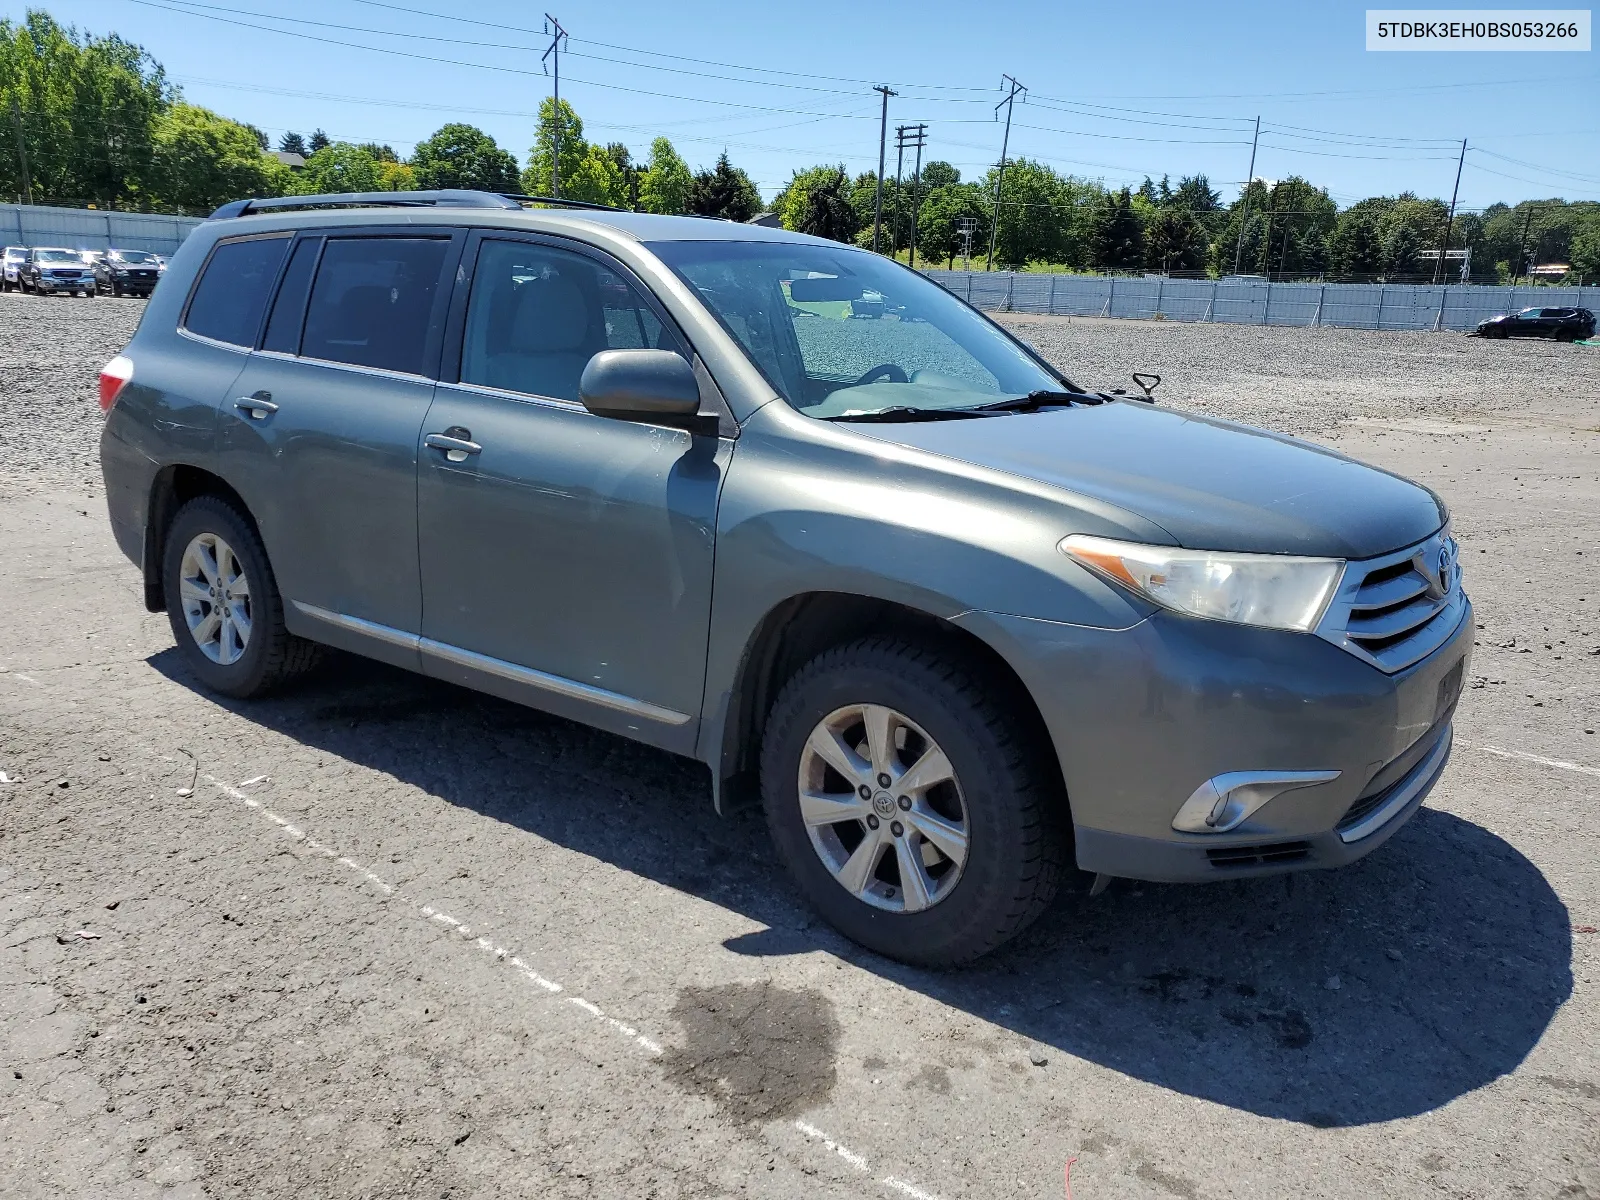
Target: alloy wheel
(883, 808)
(215, 594)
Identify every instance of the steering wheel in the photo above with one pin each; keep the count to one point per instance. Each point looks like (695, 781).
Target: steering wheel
(886, 371)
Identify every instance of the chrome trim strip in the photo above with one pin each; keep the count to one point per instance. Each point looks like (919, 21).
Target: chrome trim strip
(530, 398)
(371, 629)
(544, 681)
(1416, 782)
(1224, 802)
(558, 684)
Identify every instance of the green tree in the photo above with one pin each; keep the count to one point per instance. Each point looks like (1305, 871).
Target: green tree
(341, 167)
(1116, 236)
(939, 220)
(939, 174)
(824, 216)
(1585, 256)
(561, 125)
(724, 191)
(597, 179)
(1041, 215)
(202, 160)
(817, 201)
(88, 107)
(396, 176)
(463, 156)
(318, 141)
(1355, 248)
(667, 180)
(293, 143)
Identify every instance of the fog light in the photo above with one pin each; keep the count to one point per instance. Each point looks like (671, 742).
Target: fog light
(1224, 802)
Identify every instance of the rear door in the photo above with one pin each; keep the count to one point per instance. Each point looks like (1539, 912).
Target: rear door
(320, 432)
(566, 558)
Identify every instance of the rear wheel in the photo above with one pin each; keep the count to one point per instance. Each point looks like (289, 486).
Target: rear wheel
(913, 810)
(223, 603)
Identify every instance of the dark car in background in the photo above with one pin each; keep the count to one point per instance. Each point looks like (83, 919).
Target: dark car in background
(1563, 324)
(127, 272)
(49, 271)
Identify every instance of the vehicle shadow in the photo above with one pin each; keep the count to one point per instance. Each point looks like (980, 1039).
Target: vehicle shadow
(1337, 998)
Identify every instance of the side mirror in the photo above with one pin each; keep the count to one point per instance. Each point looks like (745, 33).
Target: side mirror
(656, 387)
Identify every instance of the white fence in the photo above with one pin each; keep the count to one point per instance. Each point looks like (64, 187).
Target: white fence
(91, 229)
(1251, 302)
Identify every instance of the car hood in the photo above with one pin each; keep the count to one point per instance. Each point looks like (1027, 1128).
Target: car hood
(1211, 484)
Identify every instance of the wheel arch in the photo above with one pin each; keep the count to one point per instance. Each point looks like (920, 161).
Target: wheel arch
(796, 630)
(173, 487)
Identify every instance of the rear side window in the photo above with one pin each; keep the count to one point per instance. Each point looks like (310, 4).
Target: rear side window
(537, 314)
(373, 300)
(231, 296)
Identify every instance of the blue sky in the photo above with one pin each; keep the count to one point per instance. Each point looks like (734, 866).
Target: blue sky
(1115, 91)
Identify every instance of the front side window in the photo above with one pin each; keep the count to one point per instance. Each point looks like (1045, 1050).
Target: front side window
(537, 314)
(372, 302)
(232, 293)
(839, 331)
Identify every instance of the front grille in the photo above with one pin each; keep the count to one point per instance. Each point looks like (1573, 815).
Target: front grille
(1396, 610)
(1258, 856)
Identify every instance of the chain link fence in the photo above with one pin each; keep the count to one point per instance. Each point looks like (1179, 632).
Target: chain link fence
(1255, 302)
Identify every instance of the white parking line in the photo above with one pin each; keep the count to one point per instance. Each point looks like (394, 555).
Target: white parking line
(443, 918)
(499, 954)
(1524, 756)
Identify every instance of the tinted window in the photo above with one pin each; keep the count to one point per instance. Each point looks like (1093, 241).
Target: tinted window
(537, 315)
(283, 326)
(232, 292)
(372, 302)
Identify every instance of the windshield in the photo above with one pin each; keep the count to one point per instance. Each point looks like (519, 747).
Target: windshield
(839, 331)
(133, 256)
(57, 256)
(13, 254)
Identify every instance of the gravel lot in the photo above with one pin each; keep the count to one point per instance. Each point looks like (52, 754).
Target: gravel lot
(381, 937)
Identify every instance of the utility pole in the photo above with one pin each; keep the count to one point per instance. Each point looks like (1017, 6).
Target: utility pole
(883, 137)
(22, 150)
(1444, 247)
(915, 136)
(899, 165)
(1522, 248)
(1244, 218)
(556, 34)
(966, 227)
(1000, 176)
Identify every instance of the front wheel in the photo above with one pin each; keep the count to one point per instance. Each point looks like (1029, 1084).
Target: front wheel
(223, 603)
(916, 813)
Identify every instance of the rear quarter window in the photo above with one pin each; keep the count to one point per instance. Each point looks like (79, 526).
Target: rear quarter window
(232, 292)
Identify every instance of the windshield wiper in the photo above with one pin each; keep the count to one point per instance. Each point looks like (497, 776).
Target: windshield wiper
(906, 412)
(1036, 400)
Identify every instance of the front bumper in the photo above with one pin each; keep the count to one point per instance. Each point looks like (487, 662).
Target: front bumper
(45, 284)
(1141, 717)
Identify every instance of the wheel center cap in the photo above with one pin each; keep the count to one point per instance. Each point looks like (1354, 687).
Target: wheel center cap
(883, 805)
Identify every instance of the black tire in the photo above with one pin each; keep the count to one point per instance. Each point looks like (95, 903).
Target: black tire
(272, 655)
(1015, 810)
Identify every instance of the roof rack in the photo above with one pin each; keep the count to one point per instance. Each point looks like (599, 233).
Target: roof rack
(442, 198)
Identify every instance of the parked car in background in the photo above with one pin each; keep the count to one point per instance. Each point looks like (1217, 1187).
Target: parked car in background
(10, 266)
(1563, 324)
(52, 271)
(127, 272)
(955, 617)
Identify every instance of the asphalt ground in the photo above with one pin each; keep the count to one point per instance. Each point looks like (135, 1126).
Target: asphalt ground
(382, 937)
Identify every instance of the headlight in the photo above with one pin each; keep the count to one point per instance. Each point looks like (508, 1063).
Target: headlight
(1277, 591)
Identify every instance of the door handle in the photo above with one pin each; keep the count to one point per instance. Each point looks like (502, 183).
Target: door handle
(456, 449)
(259, 406)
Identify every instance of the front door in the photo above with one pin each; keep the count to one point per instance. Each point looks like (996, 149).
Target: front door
(566, 558)
(319, 433)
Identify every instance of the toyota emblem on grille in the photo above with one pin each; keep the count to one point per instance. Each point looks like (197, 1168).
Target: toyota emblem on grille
(1442, 578)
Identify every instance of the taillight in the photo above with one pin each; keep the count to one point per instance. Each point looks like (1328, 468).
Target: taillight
(114, 376)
